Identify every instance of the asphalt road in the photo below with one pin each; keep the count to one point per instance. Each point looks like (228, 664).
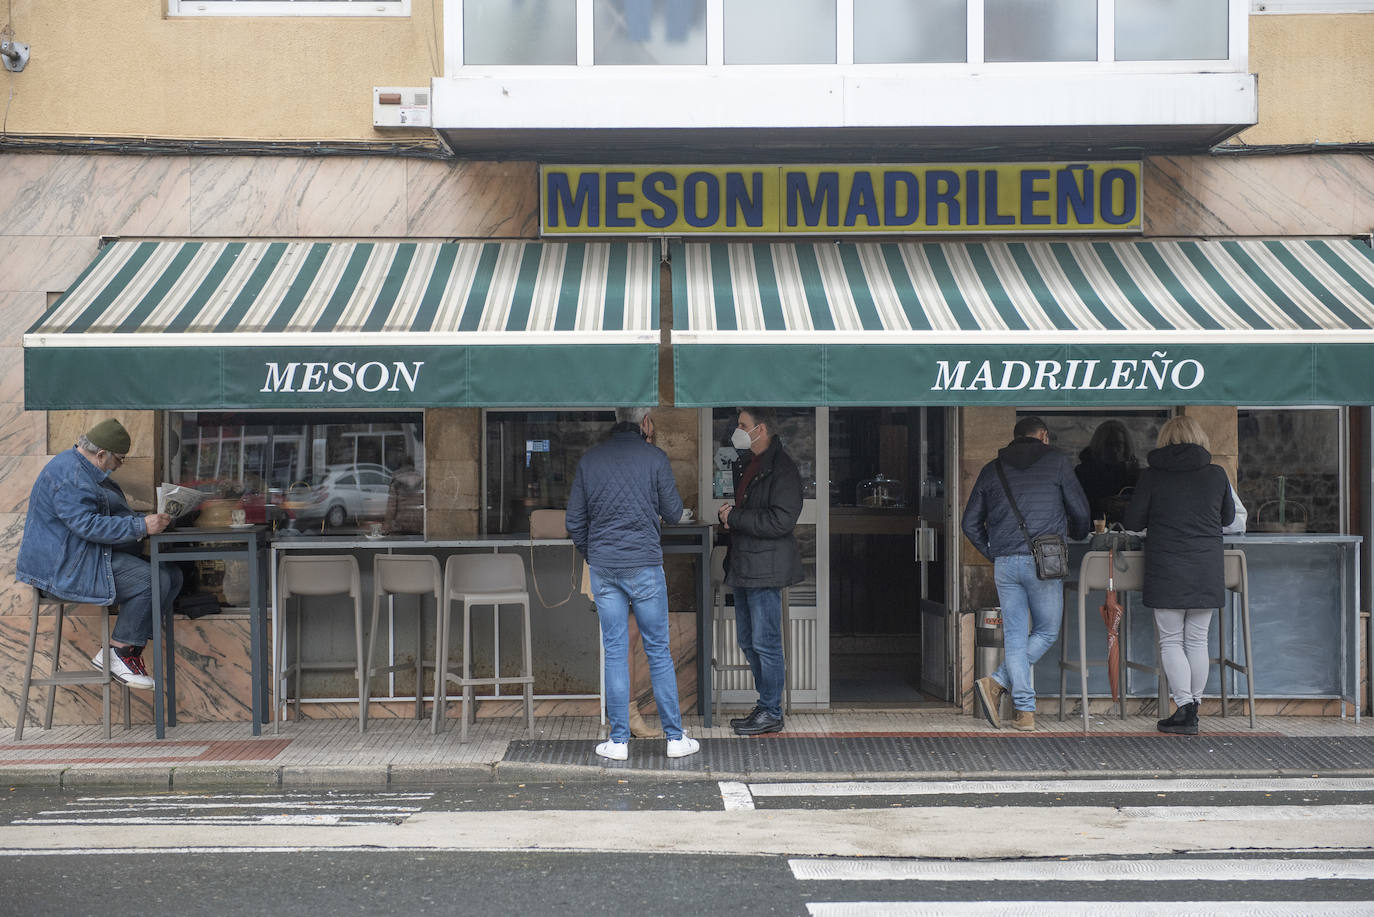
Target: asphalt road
(661, 847)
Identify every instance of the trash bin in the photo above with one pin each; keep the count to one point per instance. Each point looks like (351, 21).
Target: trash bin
(989, 647)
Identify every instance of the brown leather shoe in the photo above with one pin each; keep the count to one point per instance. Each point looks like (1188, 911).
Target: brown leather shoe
(1024, 721)
(640, 729)
(989, 694)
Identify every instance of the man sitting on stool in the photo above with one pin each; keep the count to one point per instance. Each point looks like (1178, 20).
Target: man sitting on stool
(82, 543)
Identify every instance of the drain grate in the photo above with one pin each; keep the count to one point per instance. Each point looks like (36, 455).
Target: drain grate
(972, 755)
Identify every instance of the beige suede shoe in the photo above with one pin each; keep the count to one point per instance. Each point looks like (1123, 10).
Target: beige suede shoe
(639, 728)
(989, 694)
(1024, 721)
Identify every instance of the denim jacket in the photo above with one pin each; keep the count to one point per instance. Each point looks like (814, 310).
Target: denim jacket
(76, 517)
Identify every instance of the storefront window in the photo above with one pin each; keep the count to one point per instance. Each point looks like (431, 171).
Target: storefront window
(779, 31)
(531, 459)
(650, 31)
(1107, 448)
(1040, 30)
(530, 32)
(902, 32)
(1290, 469)
(331, 474)
(1171, 29)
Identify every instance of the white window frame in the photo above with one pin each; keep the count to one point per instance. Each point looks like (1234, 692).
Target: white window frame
(1290, 7)
(1236, 61)
(281, 8)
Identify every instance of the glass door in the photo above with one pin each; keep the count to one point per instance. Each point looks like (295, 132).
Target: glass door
(888, 539)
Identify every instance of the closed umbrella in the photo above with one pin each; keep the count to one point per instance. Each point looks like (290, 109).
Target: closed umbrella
(1111, 616)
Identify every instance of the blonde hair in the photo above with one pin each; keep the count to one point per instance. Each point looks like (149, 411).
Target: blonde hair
(1181, 429)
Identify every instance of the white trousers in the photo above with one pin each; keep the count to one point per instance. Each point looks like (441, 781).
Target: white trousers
(1183, 651)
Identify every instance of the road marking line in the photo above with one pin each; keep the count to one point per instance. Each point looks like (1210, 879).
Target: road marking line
(981, 787)
(164, 851)
(1131, 870)
(1088, 908)
(735, 796)
(1246, 813)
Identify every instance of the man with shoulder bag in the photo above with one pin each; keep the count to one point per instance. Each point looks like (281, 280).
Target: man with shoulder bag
(1019, 511)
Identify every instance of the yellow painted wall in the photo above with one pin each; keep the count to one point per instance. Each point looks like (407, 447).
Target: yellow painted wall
(1315, 78)
(123, 68)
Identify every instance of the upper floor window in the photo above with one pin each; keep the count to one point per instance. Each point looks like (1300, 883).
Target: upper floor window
(288, 7)
(843, 32)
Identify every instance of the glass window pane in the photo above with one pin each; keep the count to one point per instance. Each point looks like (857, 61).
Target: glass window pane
(1288, 469)
(1040, 30)
(910, 31)
(331, 474)
(780, 31)
(532, 459)
(519, 32)
(650, 31)
(1171, 29)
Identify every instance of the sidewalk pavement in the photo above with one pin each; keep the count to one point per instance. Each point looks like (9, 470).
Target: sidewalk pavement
(835, 744)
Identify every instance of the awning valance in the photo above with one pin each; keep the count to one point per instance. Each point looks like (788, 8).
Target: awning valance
(208, 324)
(1260, 322)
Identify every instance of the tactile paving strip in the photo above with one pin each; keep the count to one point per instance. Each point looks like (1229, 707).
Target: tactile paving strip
(977, 754)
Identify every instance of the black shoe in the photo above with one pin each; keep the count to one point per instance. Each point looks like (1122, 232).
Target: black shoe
(1183, 722)
(739, 721)
(760, 724)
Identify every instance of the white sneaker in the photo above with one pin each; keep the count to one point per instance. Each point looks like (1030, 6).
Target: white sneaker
(682, 747)
(616, 751)
(121, 672)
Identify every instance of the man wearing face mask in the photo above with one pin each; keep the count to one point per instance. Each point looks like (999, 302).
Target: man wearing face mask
(622, 490)
(762, 559)
(82, 543)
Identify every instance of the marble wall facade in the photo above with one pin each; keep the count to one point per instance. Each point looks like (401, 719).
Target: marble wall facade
(54, 209)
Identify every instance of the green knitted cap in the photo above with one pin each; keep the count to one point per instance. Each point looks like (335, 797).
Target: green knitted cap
(111, 436)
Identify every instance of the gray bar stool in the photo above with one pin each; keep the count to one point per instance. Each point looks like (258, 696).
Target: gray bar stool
(1237, 581)
(317, 575)
(480, 580)
(725, 637)
(404, 574)
(59, 677)
(1094, 573)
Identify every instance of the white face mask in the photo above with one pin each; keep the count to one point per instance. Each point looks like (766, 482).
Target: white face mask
(741, 439)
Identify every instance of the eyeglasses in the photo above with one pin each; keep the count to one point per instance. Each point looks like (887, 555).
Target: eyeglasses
(119, 459)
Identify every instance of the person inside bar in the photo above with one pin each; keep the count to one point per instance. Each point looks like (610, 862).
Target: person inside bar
(83, 543)
(405, 505)
(1106, 468)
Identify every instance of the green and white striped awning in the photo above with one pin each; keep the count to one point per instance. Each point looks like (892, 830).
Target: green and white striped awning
(1028, 323)
(207, 324)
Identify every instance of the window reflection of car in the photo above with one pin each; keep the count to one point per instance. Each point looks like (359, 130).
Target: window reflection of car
(222, 497)
(343, 493)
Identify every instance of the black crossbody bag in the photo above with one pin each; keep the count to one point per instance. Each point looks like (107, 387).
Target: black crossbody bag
(1050, 552)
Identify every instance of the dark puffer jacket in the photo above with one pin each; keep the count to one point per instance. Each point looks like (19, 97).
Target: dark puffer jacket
(763, 551)
(622, 488)
(1183, 500)
(1047, 493)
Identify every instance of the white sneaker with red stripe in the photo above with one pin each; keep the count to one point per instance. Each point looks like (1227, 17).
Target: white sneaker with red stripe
(130, 671)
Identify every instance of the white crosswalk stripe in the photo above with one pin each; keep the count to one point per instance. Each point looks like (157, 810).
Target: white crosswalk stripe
(323, 809)
(1089, 908)
(1190, 869)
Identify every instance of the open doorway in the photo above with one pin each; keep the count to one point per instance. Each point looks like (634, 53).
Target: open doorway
(888, 530)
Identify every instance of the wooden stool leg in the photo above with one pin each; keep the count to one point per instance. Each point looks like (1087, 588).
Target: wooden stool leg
(105, 688)
(28, 672)
(56, 657)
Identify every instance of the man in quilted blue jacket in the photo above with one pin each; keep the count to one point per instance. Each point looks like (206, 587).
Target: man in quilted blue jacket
(623, 489)
(1052, 501)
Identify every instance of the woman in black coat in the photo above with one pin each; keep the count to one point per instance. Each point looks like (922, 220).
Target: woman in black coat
(1183, 500)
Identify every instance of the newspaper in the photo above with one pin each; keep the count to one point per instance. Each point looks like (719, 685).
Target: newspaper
(177, 501)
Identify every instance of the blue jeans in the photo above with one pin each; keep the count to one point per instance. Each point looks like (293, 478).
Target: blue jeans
(134, 592)
(647, 590)
(1031, 610)
(758, 626)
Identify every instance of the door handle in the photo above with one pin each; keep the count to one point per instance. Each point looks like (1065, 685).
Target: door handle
(927, 544)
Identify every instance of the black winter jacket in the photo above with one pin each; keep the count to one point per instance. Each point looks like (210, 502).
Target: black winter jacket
(1047, 493)
(763, 551)
(1183, 500)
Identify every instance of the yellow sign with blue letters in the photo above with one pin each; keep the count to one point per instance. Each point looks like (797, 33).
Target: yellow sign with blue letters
(681, 200)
